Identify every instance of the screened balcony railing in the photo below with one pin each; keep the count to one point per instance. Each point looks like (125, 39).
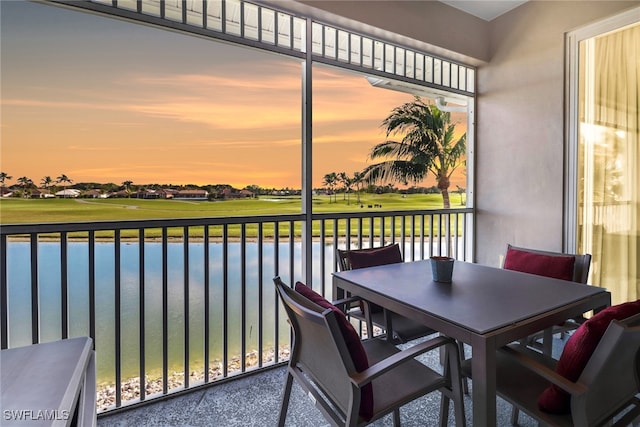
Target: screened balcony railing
(174, 305)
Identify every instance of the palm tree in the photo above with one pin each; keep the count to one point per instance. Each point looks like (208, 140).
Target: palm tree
(330, 180)
(347, 182)
(46, 182)
(358, 179)
(25, 183)
(126, 185)
(63, 179)
(428, 145)
(3, 177)
(461, 191)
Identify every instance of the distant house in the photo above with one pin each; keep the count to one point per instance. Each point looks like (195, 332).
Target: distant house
(232, 193)
(68, 193)
(148, 194)
(289, 192)
(169, 193)
(192, 194)
(5, 192)
(94, 194)
(41, 193)
(122, 194)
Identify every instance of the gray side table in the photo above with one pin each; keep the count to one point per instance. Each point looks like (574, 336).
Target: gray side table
(49, 384)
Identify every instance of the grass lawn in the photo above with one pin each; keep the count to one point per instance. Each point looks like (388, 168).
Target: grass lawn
(39, 211)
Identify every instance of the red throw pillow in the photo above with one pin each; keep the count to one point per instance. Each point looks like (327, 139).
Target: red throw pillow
(555, 266)
(373, 257)
(577, 352)
(352, 339)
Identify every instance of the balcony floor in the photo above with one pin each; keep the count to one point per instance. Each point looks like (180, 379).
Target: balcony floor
(255, 400)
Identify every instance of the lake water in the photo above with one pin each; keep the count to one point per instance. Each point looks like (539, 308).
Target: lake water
(19, 293)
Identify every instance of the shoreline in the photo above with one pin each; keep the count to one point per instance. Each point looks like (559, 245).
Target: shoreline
(215, 239)
(130, 388)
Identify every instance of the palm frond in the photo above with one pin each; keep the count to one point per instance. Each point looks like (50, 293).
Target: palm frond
(394, 170)
(427, 145)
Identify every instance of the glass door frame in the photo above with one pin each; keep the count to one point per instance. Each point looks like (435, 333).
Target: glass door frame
(572, 58)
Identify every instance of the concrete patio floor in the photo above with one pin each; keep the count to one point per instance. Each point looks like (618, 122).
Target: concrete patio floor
(255, 401)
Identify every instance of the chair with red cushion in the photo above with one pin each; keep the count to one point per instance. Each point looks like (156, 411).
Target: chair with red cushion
(559, 265)
(403, 329)
(595, 381)
(570, 267)
(353, 382)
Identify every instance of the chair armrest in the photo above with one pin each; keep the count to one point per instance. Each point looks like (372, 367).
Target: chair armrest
(372, 372)
(544, 371)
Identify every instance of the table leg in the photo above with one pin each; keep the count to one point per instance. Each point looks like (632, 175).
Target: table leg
(388, 325)
(547, 342)
(484, 381)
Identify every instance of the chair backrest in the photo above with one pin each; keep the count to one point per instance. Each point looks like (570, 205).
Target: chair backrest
(319, 348)
(376, 256)
(612, 375)
(581, 264)
(343, 259)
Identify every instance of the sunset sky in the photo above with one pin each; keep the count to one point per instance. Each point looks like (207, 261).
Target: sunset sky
(101, 100)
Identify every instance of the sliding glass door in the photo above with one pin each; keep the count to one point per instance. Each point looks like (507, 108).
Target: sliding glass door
(605, 153)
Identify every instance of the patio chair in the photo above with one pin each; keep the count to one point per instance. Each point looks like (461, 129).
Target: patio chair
(573, 267)
(354, 382)
(398, 328)
(584, 388)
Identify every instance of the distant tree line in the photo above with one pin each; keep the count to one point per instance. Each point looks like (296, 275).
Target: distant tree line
(343, 184)
(427, 144)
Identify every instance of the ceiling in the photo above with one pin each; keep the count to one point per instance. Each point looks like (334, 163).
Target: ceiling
(485, 9)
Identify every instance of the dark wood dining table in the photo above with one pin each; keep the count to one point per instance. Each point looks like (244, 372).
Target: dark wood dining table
(484, 307)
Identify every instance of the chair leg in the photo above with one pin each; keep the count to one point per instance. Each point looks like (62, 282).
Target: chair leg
(452, 370)
(444, 410)
(396, 418)
(515, 413)
(444, 399)
(465, 380)
(285, 399)
(465, 385)
(368, 321)
(459, 405)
